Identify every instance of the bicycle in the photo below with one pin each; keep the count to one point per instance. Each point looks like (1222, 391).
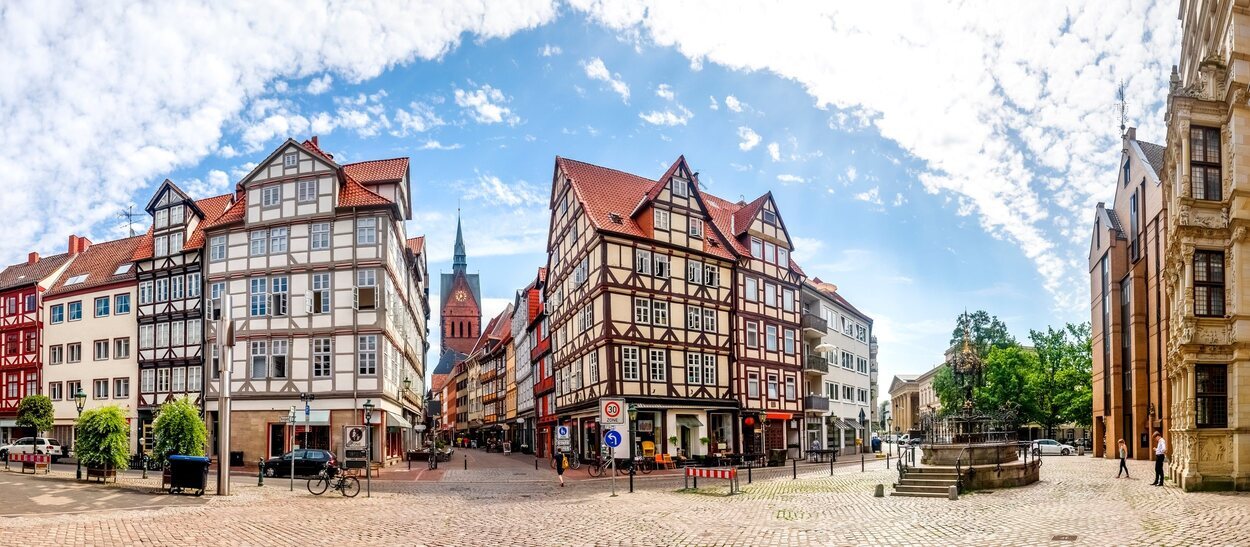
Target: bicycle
(639, 464)
(330, 477)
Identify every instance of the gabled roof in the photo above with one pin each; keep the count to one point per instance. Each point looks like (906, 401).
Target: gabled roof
(448, 361)
(1154, 156)
(831, 291)
(746, 214)
(99, 263)
(354, 194)
(723, 213)
(374, 171)
(209, 208)
(24, 273)
(234, 212)
(416, 244)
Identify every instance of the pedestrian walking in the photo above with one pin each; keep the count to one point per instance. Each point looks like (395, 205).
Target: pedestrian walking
(1161, 448)
(562, 462)
(1123, 449)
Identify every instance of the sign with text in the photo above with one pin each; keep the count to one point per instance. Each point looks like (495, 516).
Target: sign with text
(612, 411)
(563, 442)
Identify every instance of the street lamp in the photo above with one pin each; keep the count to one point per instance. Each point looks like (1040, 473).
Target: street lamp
(368, 406)
(633, 418)
(80, 399)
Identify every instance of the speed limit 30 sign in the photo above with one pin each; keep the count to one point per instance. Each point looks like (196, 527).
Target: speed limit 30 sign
(612, 411)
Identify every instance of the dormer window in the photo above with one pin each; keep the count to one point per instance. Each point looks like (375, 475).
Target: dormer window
(679, 187)
(290, 160)
(175, 215)
(661, 219)
(121, 269)
(78, 279)
(162, 218)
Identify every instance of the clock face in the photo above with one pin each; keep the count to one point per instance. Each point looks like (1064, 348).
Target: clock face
(460, 296)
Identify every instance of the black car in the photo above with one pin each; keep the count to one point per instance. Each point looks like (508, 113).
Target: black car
(307, 463)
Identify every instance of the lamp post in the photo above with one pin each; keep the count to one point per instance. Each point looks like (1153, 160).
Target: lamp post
(403, 399)
(368, 406)
(291, 419)
(80, 399)
(633, 417)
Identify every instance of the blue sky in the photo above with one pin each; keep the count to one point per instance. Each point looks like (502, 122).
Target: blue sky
(947, 160)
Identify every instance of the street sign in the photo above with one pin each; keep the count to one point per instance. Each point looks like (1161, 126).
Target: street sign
(307, 410)
(419, 427)
(612, 438)
(562, 432)
(612, 411)
(354, 437)
(563, 442)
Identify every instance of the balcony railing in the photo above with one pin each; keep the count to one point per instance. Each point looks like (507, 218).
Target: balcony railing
(816, 403)
(546, 385)
(816, 363)
(540, 349)
(814, 325)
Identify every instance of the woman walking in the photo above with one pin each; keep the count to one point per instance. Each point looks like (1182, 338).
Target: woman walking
(561, 463)
(1123, 449)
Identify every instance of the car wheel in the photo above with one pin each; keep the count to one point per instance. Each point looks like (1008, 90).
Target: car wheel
(1065, 452)
(270, 472)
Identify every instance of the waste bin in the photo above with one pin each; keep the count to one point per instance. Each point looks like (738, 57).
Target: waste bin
(776, 457)
(236, 458)
(876, 444)
(188, 473)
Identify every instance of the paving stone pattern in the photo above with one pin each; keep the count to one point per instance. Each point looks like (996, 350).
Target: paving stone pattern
(499, 502)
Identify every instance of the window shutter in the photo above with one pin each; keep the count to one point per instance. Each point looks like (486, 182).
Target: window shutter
(355, 298)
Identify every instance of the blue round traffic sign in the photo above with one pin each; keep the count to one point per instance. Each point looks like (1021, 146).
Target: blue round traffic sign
(562, 431)
(612, 439)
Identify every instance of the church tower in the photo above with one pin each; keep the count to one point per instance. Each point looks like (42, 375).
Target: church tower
(461, 313)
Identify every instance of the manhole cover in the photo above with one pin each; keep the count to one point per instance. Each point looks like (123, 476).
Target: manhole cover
(1063, 538)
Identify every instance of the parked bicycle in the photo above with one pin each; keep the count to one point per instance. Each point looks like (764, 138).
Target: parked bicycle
(639, 465)
(331, 477)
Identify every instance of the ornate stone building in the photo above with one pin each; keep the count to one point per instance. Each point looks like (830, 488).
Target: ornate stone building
(1206, 189)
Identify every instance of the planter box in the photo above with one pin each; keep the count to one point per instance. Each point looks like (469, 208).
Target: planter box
(103, 474)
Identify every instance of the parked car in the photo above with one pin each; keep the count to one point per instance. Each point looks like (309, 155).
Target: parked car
(37, 445)
(1051, 447)
(908, 440)
(307, 463)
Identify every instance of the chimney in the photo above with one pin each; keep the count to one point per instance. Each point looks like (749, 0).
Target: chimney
(73, 244)
(314, 139)
(83, 244)
(32, 258)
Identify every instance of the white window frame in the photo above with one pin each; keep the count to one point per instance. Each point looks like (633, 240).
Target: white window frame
(367, 231)
(306, 190)
(630, 362)
(642, 311)
(271, 195)
(657, 364)
(661, 219)
(319, 236)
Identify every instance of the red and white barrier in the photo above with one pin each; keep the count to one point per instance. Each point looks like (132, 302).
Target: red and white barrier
(728, 473)
(32, 461)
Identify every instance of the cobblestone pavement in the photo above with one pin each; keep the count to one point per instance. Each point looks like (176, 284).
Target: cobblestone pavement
(491, 505)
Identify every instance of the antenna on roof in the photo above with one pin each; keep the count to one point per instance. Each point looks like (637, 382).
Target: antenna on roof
(1122, 105)
(128, 216)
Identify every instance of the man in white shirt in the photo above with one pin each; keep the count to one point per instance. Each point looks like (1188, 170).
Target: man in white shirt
(1161, 448)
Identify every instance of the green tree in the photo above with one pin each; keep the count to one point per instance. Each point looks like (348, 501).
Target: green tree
(103, 438)
(1005, 381)
(1062, 376)
(35, 411)
(988, 332)
(179, 429)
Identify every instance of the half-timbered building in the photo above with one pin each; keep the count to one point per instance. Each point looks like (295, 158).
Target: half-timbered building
(640, 303)
(545, 416)
(22, 288)
(170, 301)
(327, 298)
(89, 336)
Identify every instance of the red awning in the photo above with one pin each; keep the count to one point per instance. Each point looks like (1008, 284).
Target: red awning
(778, 415)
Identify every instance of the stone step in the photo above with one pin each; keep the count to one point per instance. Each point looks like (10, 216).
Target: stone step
(927, 482)
(917, 495)
(936, 489)
(936, 476)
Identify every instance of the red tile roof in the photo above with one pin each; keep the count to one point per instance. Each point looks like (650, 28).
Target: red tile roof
(746, 214)
(311, 145)
(212, 208)
(377, 170)
(354, 194)
(231, 214)
(98, 263)
(25, 273)
(416, 244)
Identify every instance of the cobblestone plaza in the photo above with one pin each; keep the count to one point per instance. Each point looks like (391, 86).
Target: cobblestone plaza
(503, 500)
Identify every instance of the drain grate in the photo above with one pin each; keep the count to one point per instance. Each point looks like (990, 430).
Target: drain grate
(1063, 537)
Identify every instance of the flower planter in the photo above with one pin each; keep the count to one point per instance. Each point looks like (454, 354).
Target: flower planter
(102, 474)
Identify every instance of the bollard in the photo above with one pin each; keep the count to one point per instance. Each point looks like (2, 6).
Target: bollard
(466, 462)
(260, 472)
(631, 479)
(879, 491)
(145, 466)
(696, 482)
(953, 492)
(748, 472)
(830, 467)
(887, 459)
(535, 464)
(861, 461)
(794, 469)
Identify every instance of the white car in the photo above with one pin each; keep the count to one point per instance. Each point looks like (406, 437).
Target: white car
(1051, 447)
(37, 445)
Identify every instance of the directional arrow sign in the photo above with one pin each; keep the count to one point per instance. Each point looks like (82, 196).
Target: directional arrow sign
(612, 438)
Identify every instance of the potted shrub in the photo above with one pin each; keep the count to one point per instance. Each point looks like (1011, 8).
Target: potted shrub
(103, 441)
(178, 429)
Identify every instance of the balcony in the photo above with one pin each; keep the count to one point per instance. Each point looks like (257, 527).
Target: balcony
(545, 386)
(816, 403)
(813, 325)
(487, 376)
(540, 349)
(815, 364)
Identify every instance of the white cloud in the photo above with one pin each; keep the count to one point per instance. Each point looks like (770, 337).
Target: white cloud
(319, 85)
(806, 248)
(596, 70)
(712, 104)
(549, 50)
(418, 118)
(774, 151)
(873, 196)
(435, 145)
(215, 184)
(493, 190)
(851, 173)
(664, 91)
(1049, 69)
(667, 116)
(787, 178)
(486, 105)
(733, 103)
(750, 139)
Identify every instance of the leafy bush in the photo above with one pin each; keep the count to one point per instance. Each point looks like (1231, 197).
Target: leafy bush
(179, 429)
(35, 411)
(103, 438)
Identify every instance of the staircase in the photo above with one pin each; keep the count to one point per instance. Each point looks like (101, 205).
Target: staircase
(926, 482)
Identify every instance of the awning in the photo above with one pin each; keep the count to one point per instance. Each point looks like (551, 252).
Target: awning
(8, 423)
(852, 424)
(689, 421)
(395, 420)
(837, 424)
(315, 417)
(778, 415)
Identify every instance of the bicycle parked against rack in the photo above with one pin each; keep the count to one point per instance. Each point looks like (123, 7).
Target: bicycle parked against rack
(331, 477)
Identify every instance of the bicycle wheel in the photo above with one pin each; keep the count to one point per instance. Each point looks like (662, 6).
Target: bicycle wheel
(646, 467)
(350, 487)
(594, 470)
(575, 462)
(318, 485)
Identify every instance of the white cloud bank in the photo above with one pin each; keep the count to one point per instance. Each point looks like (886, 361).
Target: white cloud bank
(1013, 118)
(749, 138)
(596, 70)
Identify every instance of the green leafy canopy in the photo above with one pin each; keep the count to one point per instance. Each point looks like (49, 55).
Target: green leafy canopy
(103, 438)
(35, 411)
(178, 429)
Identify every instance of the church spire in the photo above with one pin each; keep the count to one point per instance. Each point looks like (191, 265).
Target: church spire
(459, 261)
